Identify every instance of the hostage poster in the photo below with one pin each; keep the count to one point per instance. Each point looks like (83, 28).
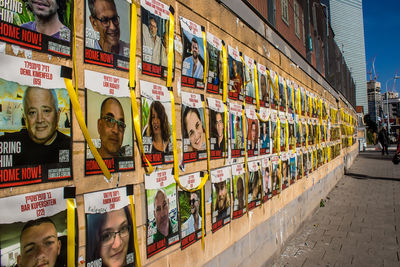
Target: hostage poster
(162, 211)
(107, 33)
(33, 219)
(265, 125)
(109, 122)
(252, 132)
(35, 125)
(276, 175)
(218, 143)
(37, 26)
(236, 81)
(239, 190)
(156, 123)
(263, 89)
(250, 88)
(267, 181)
(254, 184)
(109, 228)
(215, 64)
(221, 197)
(236, 126)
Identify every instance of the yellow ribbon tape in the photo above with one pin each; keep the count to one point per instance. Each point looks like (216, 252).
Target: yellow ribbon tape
(287, 136)
(245, 158)
(278, 127)
(256, 85)
(207, 141)
(134, 232)
(70, 232)
(203, 216)
(170, 48)
(79, 116)
(74, 51)
(205, 72)
(225, 133)
(225, 74)
(280, 177)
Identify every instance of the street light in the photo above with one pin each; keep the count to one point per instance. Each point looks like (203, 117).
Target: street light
(387, 102)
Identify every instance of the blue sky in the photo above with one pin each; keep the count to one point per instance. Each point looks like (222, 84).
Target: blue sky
(382, 39)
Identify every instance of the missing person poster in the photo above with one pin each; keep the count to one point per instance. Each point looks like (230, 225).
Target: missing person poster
(155, 34)
(283, 132)
(276, 175)
(310, 134)
(193, 54)
(267, 181)
(190, 210)
(35, 132)
(162, 211)
(263, 88)
(109, 122)
(315, 131)
(297, 130)
(290, 96)
(254, 184)
(297, 99)
(156, 123)
(303, 132)
(236, 126)
(221, 197)
(218, 143)
(303, 101)
(285, 170)
(305, 162)
(274, 89)
(28, 221)
(44, 28)
(109, 228)
(307, 103)
(274, 132)
(282, 94)
(292, 136)
(252, 132)
(315, 158)
(249, 85)
(193, 128)
(299, 164)
(310, 159)
(239, 190)
(215, 65)
(265, 125)
(292, 167)
(107, 33)
(236, 81)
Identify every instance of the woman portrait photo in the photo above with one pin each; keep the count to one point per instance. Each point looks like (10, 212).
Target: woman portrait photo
(158, 128)
(109, 238)
(193, 129)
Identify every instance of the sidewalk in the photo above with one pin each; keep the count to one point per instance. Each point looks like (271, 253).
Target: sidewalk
(359, 224)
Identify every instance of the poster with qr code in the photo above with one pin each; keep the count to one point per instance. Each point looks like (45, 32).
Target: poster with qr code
(35, 124)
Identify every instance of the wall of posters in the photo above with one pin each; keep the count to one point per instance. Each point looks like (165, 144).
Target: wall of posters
(236, 126)
(254, 184)
(109, 228)
(221, 197)
(263, 89)
(236, 79)
(156, 123)
(267, 179)
(249, 85)
(35, 135)
(20, 20)
(32, 218)
(276, 175)
(252, 132)
(215, 64)
(155, 30)
(217, 128)
(239, 190)
(190, 210)
(162, 211)
(193, 128)
(107, 34)
(265, 126)
(109, 122)
(193, 54)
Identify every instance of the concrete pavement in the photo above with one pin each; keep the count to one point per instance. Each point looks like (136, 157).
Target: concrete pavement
(359, 223)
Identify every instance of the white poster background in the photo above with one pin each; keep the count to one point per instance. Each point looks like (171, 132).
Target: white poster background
(106, 201)
(159, 179)
(106, 84)
(190, 181)
(220, 175)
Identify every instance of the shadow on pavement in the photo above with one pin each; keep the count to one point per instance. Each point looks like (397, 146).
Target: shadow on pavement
(364, 176)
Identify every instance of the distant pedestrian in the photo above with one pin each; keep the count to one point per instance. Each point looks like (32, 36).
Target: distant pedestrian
(384, 140)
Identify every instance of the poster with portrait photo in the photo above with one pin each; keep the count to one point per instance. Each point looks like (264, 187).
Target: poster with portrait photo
(283, 132)
(193, 54)
(155, 34)
(236, 127)
(297, 99)
(291, 130)
(249, 85)
(236, 77)
(252, 132)
(322, 128)
(292, 167)
(35, 123)
(282, 94)
(310, 160)
(267, 180)
(265, 125)
(107, 33)
(190, 209)
(315, 131)
(263, 88)
(310, 134)
(276, 175)
(290, 96)
(274, 89)
(218, 143)
(29, 220)
(215, 64)
(303, 132)
(307, 103)
(315, 158)
(303, 101)
(274, 132)
(156, 123)
(162, 211)
(285, 170)
(299, 164)
(239, 189)
(297, 130)
(221, 197)
(19, 20)
(305, 161)
(109, 122)
(254, 184)
(109, 228)
(193, 128)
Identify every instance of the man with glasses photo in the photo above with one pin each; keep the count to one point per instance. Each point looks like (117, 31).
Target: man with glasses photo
(111, 128)
(151, 42)
(105, 20)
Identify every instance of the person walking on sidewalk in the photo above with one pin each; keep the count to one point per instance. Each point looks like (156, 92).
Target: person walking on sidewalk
(384, 140)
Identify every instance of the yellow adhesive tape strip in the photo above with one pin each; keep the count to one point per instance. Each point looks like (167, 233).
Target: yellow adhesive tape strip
(205, 58)
(170, 48)
(225, 74)
(135, 238)
(278, 141)
(256, 85)
(245, 156)
(70, 232)
(203, 216)
(207, 141)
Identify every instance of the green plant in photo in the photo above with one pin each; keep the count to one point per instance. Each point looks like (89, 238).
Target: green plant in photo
(145, 112)
(184, 206)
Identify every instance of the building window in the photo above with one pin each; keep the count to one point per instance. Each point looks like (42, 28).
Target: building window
(296, 19)
(285, 11)
(304, 32)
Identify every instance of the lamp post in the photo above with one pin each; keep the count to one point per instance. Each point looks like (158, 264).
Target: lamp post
(387, 101)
